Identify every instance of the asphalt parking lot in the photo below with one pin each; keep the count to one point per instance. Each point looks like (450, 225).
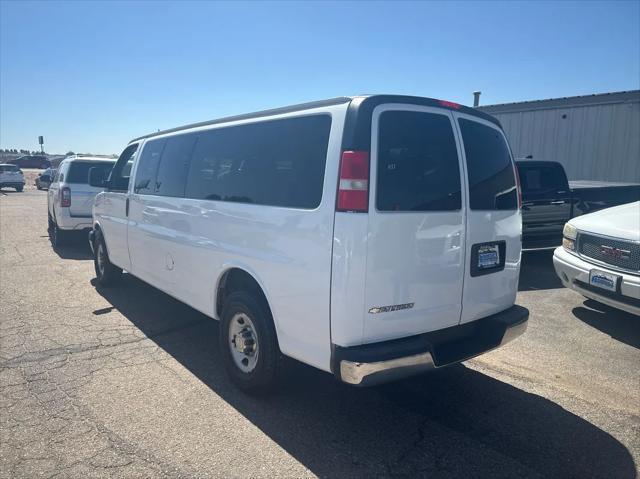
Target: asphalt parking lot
(126, 382)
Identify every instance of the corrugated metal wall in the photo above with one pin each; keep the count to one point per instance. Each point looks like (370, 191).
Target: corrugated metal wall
(593, 142)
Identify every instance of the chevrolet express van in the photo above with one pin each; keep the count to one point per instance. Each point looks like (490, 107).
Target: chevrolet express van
(372, 237)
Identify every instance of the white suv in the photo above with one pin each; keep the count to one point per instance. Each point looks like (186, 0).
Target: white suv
(371, 237)
(70, 197)
(11, 176)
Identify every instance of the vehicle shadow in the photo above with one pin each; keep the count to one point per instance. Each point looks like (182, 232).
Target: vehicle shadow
(620, 325)
(456, 422)
(537, 273)
(76, 247)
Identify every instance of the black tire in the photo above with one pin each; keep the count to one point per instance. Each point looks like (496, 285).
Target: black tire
(58, 236)
(107, 274)
(50, 223)
(266, 373)
(19, 188)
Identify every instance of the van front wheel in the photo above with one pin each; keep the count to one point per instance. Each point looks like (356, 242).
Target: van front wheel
(107, 273)
(248, 343)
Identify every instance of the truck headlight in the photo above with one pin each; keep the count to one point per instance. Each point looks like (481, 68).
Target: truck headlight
(569, 231)
(569, 234)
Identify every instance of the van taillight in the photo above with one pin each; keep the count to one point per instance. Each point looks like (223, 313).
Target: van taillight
(65, 197)
(518, 187)
(353, 187)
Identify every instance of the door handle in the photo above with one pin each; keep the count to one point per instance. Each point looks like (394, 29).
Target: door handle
(559, 202)
(126, 207)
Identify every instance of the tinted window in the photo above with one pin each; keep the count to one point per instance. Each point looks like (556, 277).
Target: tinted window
(491, 178)
(172, 172)
(148, 167)
(417, 163)
(542, 178)
(119, 178)
(278, 162)
(79, 171)
(9, 168)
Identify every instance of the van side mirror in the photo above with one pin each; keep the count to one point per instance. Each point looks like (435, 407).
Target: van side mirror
(97, 177)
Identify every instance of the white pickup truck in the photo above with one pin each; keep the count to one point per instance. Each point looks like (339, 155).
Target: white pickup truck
(600, 256)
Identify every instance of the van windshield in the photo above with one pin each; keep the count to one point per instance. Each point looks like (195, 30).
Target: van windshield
(79, 170)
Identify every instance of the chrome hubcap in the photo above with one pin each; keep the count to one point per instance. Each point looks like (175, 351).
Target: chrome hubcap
(243, 342)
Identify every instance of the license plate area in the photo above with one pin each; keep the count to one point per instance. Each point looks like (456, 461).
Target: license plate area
(487, 258)
(604, 280)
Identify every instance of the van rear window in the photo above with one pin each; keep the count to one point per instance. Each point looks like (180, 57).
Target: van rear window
(79, 170)
(492, 184)
(417, 163)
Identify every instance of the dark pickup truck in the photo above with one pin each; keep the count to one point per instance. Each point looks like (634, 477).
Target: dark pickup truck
(549, 200)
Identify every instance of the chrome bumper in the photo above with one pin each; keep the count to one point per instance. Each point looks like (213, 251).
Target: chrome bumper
(439, 349)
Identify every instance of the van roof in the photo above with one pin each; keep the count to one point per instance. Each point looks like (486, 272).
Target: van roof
(360, 108)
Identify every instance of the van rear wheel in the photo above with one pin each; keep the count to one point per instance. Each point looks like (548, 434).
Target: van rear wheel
(107, 274)
(248, 343)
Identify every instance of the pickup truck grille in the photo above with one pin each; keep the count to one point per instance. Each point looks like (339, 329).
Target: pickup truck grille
(620, 254)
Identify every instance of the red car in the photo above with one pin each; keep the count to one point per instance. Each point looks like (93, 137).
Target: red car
(31, 161)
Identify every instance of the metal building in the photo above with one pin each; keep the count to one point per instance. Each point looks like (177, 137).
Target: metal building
(595, 137)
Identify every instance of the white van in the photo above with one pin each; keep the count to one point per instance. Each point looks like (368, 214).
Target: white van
(372, 237)
(70, 197)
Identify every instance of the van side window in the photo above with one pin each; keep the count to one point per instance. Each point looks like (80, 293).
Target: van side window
(119, 177)
(418, 167)
(148, 167)
(275, 162)
(174, 162)
(492, 183)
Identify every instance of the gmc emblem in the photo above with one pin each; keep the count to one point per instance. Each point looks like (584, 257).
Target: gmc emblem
(614, 253)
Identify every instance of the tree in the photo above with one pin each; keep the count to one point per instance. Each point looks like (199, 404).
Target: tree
(69, 153)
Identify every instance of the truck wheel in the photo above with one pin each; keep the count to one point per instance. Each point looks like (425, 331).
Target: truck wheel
(107, 273)
(248, 343)
(19, 188)
(58, 236)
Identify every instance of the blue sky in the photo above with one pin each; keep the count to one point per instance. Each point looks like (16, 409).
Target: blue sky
(90, 76)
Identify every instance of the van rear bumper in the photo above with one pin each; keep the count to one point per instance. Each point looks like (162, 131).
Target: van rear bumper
(385, 361)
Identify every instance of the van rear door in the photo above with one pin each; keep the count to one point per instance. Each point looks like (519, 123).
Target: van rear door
(416, 238)
(493, 219)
